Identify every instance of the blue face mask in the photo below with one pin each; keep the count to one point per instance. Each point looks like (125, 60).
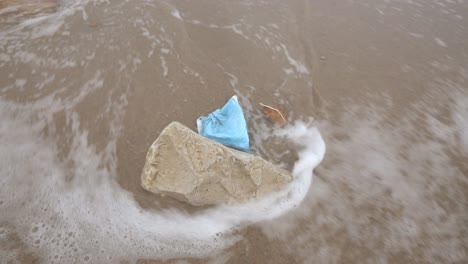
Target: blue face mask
(226, 126)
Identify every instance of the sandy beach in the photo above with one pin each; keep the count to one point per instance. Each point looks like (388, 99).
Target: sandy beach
(87, 86)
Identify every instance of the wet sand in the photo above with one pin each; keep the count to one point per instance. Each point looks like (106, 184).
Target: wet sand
(85, 90)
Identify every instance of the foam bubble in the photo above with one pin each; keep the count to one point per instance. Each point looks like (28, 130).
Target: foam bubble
(175, 13)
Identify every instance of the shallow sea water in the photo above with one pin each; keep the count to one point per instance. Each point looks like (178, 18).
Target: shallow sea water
(87, 86)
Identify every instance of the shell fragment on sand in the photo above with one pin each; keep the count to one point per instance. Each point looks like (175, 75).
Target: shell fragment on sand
(275, 115)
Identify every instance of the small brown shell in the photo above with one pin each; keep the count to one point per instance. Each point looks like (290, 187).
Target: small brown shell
(276, 115)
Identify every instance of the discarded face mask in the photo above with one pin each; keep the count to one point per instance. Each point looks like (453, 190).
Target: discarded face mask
(226, 126)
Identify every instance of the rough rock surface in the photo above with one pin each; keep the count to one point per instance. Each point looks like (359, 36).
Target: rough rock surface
(186, 166)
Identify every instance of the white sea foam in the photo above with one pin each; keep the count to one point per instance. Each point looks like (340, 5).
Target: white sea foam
(45, 24)
(175, 13)
(81, 213)
(404, 167)
(164, 66)
(440, 42)
(298, 66)
(69, 207)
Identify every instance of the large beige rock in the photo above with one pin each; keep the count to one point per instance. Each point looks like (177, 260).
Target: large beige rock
(191, 168)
